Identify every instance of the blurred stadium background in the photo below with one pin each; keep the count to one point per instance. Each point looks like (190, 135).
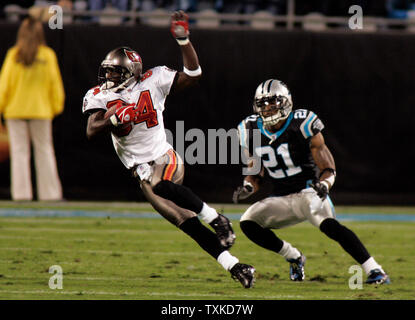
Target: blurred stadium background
(360, 83)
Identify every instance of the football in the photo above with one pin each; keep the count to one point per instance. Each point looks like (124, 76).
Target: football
(122, 129)
(110, 112)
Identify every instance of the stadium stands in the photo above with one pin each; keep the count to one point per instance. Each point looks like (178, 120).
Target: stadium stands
(255, 14)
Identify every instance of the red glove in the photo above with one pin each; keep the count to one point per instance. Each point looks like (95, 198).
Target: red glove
(180, 27)
(124, 114)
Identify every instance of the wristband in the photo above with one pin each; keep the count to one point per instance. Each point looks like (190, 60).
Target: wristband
(114, 120)
(328, 169)
(182, 41)
(193, 73)
(325, 183)
(329, 181)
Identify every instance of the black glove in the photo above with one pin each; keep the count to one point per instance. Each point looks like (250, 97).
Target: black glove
(321, 189)
(243, 192)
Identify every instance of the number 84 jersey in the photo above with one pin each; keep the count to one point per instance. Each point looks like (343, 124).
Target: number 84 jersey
(145, 139)
(285, 154)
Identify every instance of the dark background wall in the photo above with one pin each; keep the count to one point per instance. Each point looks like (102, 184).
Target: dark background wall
(360, 84)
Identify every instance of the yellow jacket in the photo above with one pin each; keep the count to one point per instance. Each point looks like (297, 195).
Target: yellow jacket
(34, 92)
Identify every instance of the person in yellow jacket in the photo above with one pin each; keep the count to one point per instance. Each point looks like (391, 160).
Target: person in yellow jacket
(31, 95)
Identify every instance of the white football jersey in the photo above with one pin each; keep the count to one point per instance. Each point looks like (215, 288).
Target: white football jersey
(145, 140)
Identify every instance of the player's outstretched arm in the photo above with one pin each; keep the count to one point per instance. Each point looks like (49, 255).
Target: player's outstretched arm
(325, 162)
(191, 68)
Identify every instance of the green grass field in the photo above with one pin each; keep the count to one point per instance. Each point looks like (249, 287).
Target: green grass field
(147, 258)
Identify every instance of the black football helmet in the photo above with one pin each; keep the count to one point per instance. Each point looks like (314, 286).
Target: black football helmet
(119, 69)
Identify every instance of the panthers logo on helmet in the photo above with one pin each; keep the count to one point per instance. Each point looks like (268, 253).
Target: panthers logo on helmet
(133, 56)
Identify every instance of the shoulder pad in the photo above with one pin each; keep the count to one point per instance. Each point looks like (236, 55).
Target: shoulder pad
(147, 74)
(156, 71)
(94, 99)
(309, 122)
(251, 118)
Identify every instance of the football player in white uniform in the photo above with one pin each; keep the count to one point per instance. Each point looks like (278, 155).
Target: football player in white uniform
(291, 153)
(130, 105)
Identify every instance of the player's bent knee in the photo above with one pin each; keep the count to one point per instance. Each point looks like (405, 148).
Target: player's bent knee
(179, 194)
(249, 226)
(163, 188)
(332, 228)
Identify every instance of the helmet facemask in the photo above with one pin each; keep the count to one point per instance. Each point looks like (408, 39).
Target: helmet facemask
(113, 77)
(272, 109)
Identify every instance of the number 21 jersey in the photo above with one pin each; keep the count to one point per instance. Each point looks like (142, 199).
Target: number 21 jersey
(285, 154)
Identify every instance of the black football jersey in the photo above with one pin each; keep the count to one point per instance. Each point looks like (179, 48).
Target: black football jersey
(285, 154)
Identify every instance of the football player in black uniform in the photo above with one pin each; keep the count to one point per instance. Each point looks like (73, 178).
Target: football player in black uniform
(290, 150)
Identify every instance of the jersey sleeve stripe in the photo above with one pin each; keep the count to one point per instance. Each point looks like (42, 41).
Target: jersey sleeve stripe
(242, 134)
(306, 125)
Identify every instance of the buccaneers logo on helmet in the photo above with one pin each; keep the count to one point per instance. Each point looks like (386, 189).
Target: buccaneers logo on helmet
(133, 56)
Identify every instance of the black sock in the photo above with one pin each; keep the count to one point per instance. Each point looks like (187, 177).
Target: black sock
(261, 236)
(203, 236)
(179, 194)
(346, 238)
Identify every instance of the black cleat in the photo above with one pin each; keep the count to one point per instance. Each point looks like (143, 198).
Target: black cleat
(377, 276)
(244, 273)
(297, 268)
(224, 231)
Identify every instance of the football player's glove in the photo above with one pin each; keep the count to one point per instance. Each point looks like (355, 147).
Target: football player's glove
(321, 188)
(243, 192)
(180, 27)
(124, 114)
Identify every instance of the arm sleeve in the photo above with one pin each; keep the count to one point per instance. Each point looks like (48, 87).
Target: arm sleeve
(5, 80)
(92, 102)
(243, 134)
(56, 91)
(311, 125)
(251, 162)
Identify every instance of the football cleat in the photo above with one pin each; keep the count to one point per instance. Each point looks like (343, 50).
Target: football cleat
(224, 231)
(244, 273)
(377, 276)
(297, 268)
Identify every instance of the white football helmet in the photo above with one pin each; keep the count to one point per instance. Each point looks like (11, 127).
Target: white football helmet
(272, 102)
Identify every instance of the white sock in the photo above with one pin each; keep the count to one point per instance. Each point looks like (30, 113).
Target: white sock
(208, 214)
(371, 264)
(227, 260)
(289, 252)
